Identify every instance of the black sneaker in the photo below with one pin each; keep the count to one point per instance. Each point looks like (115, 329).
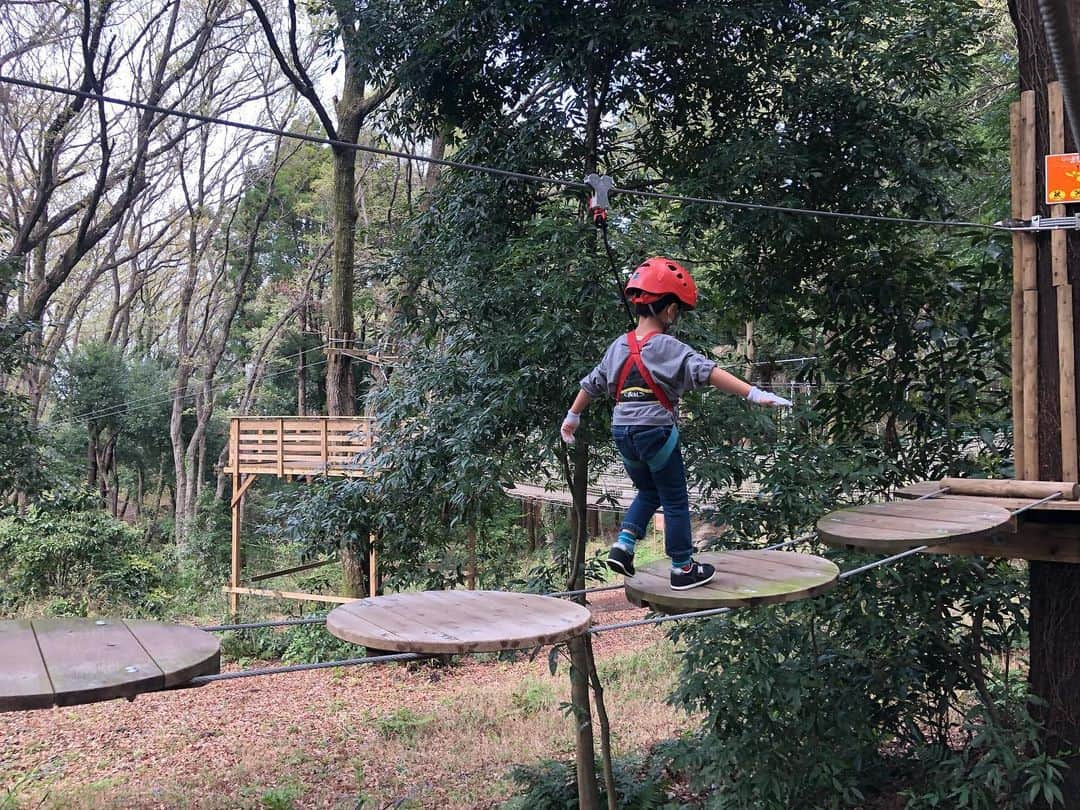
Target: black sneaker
(691, 576)
(620, 561)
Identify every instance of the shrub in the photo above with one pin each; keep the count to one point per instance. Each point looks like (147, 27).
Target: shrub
(60, 548)
(549, 785)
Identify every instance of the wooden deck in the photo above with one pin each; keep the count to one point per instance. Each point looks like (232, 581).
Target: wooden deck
(458, 621)
(66, 662)
(299, 445)
(743, 579)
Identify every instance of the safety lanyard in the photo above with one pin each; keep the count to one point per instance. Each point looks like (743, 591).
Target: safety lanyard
(635, 360)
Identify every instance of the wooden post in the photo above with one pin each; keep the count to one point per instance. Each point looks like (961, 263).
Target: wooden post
(1031, 384)
(1029, 286)
(281, 447)
(470, 565)
(1063, 293)
(237, 515)
(323, 445)
(1017, 301)
(373, 567)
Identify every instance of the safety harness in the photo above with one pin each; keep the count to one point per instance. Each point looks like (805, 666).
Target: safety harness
(658, 461)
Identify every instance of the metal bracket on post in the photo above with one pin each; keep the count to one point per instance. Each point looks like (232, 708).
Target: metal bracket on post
(1038, 223)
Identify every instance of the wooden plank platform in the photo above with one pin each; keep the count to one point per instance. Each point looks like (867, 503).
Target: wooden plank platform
(743, 579)
(66, 662)
(898, 525)
(457, 621)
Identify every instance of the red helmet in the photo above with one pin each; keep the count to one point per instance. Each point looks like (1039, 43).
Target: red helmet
(657, 277)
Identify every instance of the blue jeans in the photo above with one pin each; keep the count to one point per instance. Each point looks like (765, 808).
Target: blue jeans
(663, 487)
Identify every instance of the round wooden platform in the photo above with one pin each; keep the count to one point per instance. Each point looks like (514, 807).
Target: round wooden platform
(899, 525)
(743, 579)
(457, 621)
(65, 662)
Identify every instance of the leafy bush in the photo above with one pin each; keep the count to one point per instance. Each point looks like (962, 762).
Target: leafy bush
(66, 547)
(297, 644)
(825, 702)
(549, 785)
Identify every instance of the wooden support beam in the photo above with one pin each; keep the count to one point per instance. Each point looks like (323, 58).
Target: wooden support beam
(302, 597)
(234, 555)
(373, 567)
(281, 446)
(1008, 488)
(1017, 301)
(244, 487)
(294, 570)
(1032, 541)
(1059, 270)
(1028, 186)
(1017, 363)
(1067, 382)
(1055, 108)
(1031, 385)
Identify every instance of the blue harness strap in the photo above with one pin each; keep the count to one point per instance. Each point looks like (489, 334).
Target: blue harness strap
(663, 455)
(660, 460)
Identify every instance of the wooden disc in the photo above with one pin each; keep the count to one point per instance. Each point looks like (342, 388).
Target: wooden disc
(743, 578)
(457, 621)
(65, 662)
(899, 525)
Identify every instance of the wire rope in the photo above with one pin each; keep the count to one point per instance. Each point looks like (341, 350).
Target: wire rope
(494, 171)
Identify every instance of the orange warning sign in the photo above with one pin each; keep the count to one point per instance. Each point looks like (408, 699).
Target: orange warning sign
(1062, 179)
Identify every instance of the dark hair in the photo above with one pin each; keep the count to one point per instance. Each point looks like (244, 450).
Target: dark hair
(657, 306)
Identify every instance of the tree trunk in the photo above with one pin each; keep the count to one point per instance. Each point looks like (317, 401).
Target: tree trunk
(588, 795)
(1055, 587)
(340, 399)
(92, 459)
(353, 577)
(140, 491)
(301, 367)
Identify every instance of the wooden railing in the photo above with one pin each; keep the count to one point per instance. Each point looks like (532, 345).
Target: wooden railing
(298, 445)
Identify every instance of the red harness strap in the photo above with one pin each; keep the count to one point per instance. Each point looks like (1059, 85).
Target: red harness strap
(635, 360)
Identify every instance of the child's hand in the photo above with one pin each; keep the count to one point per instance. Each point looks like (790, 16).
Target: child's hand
(759, 397)
(569, 425)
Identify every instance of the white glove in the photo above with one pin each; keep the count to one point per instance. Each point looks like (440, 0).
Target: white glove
(569, 425)
(759, 397)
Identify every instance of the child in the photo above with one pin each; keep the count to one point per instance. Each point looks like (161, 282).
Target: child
(647, 371)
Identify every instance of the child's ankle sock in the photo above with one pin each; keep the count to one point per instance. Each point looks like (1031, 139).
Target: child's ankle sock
(626, 541)
(679, 565)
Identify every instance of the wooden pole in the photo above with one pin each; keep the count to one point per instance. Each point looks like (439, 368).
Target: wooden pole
(373, 567)
(280, 447)
(470, 565)
(1059, 270)
(1029, 285)
(1031, 384)
(237, 515)
(1007, 488)
(1017, 301)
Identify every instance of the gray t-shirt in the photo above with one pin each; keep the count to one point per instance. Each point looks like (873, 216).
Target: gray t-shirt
(674, 366)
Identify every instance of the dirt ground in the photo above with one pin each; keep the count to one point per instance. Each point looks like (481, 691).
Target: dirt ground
(374, 736)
